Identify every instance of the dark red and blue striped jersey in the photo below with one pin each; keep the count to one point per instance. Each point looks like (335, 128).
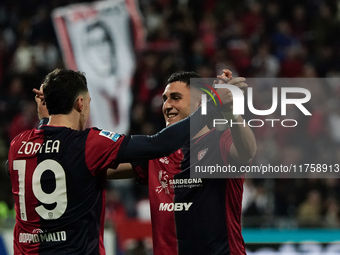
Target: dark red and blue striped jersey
(58, 181)
(193, 216)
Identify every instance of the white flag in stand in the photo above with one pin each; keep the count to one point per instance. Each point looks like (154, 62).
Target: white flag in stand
(97, 39)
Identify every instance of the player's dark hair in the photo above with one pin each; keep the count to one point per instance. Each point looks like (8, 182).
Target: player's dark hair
(183, 77)
(61, 89)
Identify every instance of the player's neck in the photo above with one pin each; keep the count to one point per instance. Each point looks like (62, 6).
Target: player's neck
(202, 132)
(65, 120)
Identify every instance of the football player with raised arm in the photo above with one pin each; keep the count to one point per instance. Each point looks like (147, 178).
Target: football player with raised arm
(58, 170)
(193, 216)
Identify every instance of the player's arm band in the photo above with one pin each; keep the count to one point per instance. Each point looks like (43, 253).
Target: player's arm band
(168, 140)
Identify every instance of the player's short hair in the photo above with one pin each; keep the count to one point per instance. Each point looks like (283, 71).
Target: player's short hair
(183, 77)
(61, 89)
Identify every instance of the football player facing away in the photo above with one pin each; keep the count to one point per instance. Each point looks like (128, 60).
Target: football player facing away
(58, 170)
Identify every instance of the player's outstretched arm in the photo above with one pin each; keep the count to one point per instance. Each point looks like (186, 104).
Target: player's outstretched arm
(168, 140)
(123, 171)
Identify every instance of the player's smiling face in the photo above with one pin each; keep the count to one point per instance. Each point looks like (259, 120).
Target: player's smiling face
(177, 103)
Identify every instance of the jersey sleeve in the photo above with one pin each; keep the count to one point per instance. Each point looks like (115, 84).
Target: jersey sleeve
(101, 150)
(169, 139)
(141, 170)
(225, 144)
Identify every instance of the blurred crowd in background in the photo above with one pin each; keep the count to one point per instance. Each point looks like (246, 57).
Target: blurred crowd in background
(255, 39)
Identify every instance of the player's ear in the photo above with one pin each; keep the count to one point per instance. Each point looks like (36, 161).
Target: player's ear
(199, 102)
(79, 104)
(196, 95)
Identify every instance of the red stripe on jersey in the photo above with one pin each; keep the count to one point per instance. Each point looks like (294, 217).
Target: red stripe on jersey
(22, 150)
(234, 195)
(233, 215)
(225, 145)
(141, 175)
(162, 195)
(203, 135)
(101, 231)
(101, 150)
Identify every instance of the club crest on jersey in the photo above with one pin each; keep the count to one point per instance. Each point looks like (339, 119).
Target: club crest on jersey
(37, 231)
(111, 135)
(202, 153)
(163, 179)
(164, 160)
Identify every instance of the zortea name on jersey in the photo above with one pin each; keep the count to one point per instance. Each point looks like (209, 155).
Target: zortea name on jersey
(29, 148)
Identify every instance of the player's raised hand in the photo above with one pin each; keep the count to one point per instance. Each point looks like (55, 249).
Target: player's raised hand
(226, 74)
(227, 78)
(39, 93)
(225, 94)
(41, 104)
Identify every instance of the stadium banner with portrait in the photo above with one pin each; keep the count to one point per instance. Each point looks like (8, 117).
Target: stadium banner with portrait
(97, 39)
